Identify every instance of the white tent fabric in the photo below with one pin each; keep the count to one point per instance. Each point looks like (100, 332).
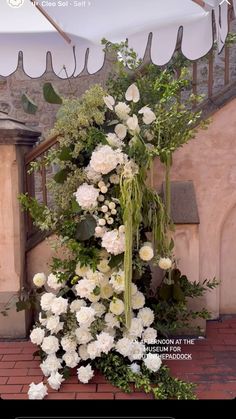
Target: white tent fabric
(26, 29)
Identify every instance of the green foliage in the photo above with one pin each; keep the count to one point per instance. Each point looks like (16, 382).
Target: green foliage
(51, 95)
(86, 228)
(28, 104)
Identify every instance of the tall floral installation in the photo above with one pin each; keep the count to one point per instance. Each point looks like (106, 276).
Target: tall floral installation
(97, 310)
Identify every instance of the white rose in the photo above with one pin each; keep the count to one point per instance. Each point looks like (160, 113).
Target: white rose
(37, 391)
(76, 305)
(99, 308)
(109, 101)
(104, 159)
(53, 324)
(59, 306)
(148, 115)
(135, 368)
(118, 281)
(146, 315)
(111, 320)
(39, 280)
(132, 94)
(149, 335)
(137, 300)
(50, 364)
(83, 353)
(50, 345)
(146, 252)
(117, 306)
(153, 362)
(83, 335)
(105, 342)
(137, 351)
(106, 291)
(122, 111)
(86, 196)
(85, 374)
(136, 328)
(121, 131)
(71, 359)
(68, 344)
(37, 336)
(165, 263)
(85, 316)
(132, 123)
(114, 242)
(81, 270)
(53, 282)
(93, 350)
(55, 380)
(114, 141)
(124, 346)
(85, 287)
(46, 301)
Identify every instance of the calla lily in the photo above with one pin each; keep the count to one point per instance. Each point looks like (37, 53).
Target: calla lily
(132, 123)
(148, 115)
(132, 94)
(109, 101)
(121, 131)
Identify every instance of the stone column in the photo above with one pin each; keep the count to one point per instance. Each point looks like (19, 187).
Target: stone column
(15, 140)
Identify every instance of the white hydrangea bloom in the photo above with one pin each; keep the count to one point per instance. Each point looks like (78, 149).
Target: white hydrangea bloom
(114, 242)
(59, 306)
(83, 335)
(50, 345)
(146, 315)
(85, 374)
(37, 336)
(91, 175)
(55, 380)
(71, 359)
(86, 196)
(104, 159)
(37, 391)
(153, 362)
(46, 301)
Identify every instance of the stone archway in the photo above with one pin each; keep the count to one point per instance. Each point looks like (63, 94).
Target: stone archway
(228, 264)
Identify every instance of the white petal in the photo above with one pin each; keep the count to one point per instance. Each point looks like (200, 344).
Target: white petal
(132, 93)
(109, 101)
(121, 131)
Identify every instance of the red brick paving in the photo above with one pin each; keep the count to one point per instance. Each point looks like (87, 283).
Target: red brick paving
(212, 368)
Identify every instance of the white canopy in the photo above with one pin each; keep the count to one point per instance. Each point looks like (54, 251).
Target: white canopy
(86, 22)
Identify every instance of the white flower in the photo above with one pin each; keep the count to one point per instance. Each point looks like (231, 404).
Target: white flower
(50, 364)
(53, 324)
(111, 320)
(42, 320)
(130, 169)
(81, 270)
(121, 131)
(83, 353)
(103, 266)
(146, 252)
(114, 242)
(104, 159)
(105, 342)
(100, 231)
(165, 263)
(93, 350)
(124, 346)
(85, 316)
(37, 336)
(59, 305)
(101, 223)
(136, 328)
(115, 179)
(71, 359)
(122, 111)
(149, 335)
(148, 115)
(118, 281)
(146, 315)
(117, 306)
(134, 289)
(110, 331)
(55, 380)
(132, 123)
(91, 175)
(132, 93)
(109, 101)
(83, 335)
(93, 298)
(86, 196)
(39, 279)
(137, 351)
(85, 374)
(104, 189)
(95, 276)
(50, 345)
(106, 291)
(149, 136)
(53, 282)
(68, 344)
(135, 368)
(99, 309)
(76, 305)
(153, 362)
(37, 391)
(85, 287)
(104, 208)
(46, 301)
(138, 300)
(114, 141)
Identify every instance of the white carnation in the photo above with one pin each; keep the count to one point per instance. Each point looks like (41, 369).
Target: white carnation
(85, 287)
(165, 263)
(137, 351)
(71, 359)
(50, 364)
(136, 328)
(105, 342)
(83, 335)
(118, 281)
(149, 335)
(117, 306)
(111, 320)
(53, 324)
(99, 309)
(146, 315)
(153, 362)
(124, 346)
(104, 159)
(138, 300)
(50, 345)
(53, 282)
(93, 350)
(46, 301)
(37, 336)
(86, 196)
(37, 391)
(122, 111)
(55, 380)
(83, 353)
(114, 242)
(85, 316)
(146, 252)
(76, 305)
(39, 279)
(59, 306)
(85, 374)
(68, 344)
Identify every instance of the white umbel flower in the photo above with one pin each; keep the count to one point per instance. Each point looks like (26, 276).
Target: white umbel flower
(37, 336)
(50, 345)
(37, 391)
(104, 159)
(114, 242)
(39, 279)
(146, 315)
(85, 374)
(55, 380)
(46, 301)
(153, 362)
(132, 94)
(165, 263)
(146, 252)
(59, 306)
(86, 196)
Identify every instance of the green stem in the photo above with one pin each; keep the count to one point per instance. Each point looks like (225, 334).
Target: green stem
(168, 187)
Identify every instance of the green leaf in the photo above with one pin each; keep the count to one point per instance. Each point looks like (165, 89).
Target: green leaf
(75, 206)
(28, 104)
(23, 305)
(61, 176)
(172, 245)
(97, 290)
(51, 95)
(65, 154)
(66, 373)
(116, 260)
(86, 228)
(178, 293)
(165, 292)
